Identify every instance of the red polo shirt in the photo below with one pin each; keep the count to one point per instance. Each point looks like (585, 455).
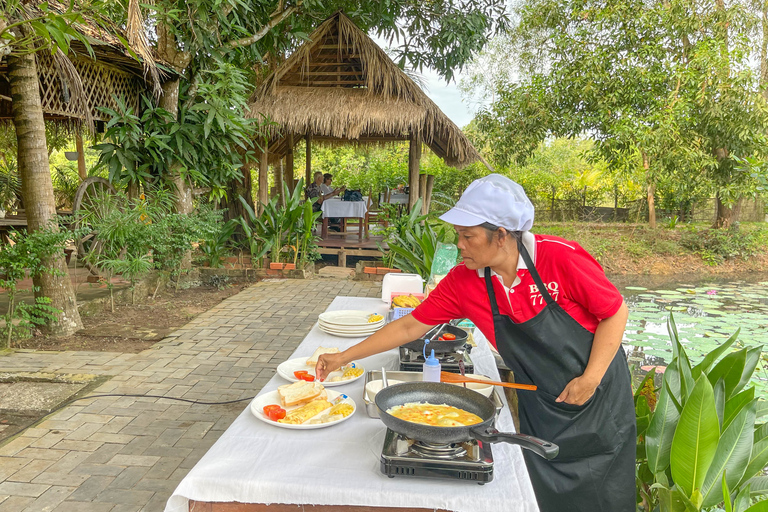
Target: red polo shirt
(575, 281)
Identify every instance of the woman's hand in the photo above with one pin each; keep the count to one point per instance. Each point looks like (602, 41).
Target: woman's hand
(327, 363)
(578, 391)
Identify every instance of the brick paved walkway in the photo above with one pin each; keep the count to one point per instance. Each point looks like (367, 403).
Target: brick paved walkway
(128, 454)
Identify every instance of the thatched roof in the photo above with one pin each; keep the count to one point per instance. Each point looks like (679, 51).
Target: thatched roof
(111, 72)
(341, 86)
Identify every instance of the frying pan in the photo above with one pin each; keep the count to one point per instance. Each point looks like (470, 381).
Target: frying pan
(463, 398)
(441, 346)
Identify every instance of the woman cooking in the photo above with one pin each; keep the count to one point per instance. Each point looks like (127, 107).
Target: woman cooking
(556, 320)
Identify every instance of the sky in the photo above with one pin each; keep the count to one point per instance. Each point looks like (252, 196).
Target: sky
(448, 97)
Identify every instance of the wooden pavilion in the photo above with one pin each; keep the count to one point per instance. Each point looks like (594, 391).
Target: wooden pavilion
(341, 87)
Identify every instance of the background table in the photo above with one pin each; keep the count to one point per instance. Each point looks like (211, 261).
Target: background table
(336, 208)
(254, 462)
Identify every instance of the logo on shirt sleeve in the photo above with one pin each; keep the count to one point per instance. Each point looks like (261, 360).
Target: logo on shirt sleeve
(537, 299)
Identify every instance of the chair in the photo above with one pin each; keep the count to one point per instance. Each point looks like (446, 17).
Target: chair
(373, 216)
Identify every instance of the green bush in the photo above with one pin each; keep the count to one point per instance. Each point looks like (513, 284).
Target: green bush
(699, 445)
(718, 245)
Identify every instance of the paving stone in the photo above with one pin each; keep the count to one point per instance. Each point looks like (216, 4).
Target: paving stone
(23, 489)
(84, 506)
(50, 499)
(134, 460)
(127, 454)
(30, 471)
(128, 478)
(119, 496)
(15, 503)
(89, 489)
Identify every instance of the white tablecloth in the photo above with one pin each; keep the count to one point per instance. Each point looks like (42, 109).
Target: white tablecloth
(253, 462)
(335, 207)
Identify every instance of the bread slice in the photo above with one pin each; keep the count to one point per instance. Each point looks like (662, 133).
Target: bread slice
(300, 392)
(320, 351)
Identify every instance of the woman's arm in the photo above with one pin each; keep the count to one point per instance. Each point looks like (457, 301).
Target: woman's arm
(607, 340)
(388, 337)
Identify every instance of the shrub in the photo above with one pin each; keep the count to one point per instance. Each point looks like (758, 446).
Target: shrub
(718, 245)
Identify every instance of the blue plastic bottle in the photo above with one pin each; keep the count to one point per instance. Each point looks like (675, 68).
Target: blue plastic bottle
(431, 366)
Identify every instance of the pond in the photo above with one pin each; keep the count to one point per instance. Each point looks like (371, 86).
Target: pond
(707, 312)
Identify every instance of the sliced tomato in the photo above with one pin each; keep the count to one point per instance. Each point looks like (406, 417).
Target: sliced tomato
(299, 373)
(306, 376)
(448, 336)
(271, 407)
(276, 414)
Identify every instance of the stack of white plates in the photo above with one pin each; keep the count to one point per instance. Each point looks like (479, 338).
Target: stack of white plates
(349, 323)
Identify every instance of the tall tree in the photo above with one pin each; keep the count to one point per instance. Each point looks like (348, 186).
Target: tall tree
(196, 36)
(661, 86)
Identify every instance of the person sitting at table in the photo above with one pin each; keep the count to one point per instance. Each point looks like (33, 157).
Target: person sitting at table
(315, 190)
(326, 186)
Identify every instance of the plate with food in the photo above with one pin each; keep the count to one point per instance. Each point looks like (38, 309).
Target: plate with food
(303, 369)
(303, 406)
(349, 318)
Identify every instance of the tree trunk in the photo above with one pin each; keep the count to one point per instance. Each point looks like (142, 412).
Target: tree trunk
(651, 192)
(37, 187)
(236, 189)
(279, 174)
(764, 50)
(263, 179)
(726, 215)
(81, 171)
(414, 159)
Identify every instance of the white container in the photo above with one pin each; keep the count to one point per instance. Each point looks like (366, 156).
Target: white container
(431, 368)
(400, 283)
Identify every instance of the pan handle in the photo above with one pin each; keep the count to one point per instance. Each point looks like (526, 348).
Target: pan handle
(540, 447)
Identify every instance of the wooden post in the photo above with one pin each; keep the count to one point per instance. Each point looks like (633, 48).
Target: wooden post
(263, 179)
(414, 159)
(289, 162)
(279, 166)
(308, 173)
(80, 155)
(428, 193)
(422, 192)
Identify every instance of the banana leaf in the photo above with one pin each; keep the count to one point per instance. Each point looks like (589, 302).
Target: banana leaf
(695, 440)
(736, 403)
(661, 430)
(709, 359)
(730, 369)
(732, 455)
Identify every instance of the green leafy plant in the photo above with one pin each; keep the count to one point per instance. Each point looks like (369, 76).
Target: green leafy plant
(282, 227)
(718, 245)
(413, 242)
(25, 257)
(697, 433)
(218, 244)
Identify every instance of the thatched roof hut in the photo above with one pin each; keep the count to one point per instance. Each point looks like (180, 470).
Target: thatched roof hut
(341, 87)
(112, 73)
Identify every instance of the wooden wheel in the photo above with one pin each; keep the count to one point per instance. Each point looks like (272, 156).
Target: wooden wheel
(93, 195)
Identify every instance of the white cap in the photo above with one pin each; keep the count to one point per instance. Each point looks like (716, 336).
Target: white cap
(495, 199)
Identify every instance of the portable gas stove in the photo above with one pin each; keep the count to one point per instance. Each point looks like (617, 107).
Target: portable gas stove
(471, 461)
(413, 360)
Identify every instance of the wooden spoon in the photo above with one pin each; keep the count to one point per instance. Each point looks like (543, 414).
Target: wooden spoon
(454, 378)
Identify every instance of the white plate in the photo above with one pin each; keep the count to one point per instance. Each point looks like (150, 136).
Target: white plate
(286, 369)
(258, 403)
(364, 334)
(356, 326)
(371, 328)
(346, 317)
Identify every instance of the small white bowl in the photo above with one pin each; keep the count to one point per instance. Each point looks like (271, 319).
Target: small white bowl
(375, 386)
(483, 389)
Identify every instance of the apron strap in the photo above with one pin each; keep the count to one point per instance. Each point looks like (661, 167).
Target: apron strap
(534, 273)
(491, 292)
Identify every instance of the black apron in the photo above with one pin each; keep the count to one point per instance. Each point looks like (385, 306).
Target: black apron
(595, 469)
